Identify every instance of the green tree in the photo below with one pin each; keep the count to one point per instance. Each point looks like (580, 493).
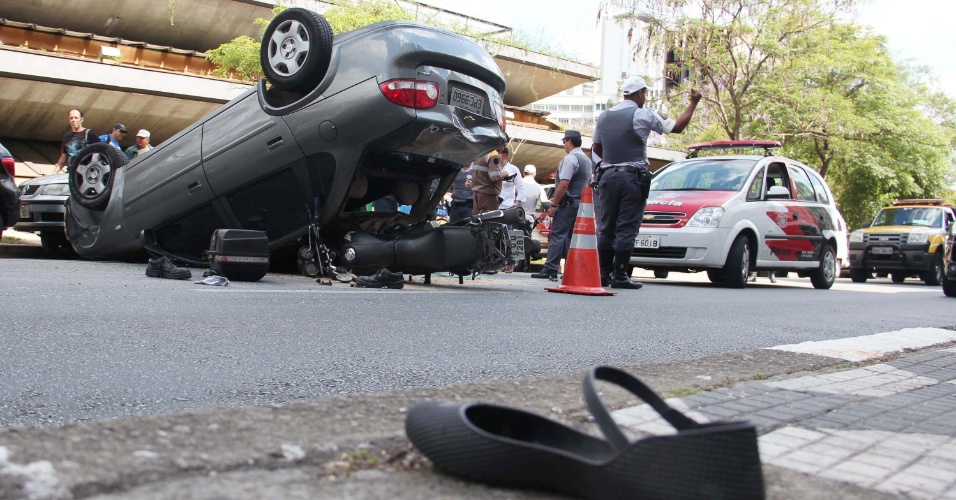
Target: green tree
(790, 70)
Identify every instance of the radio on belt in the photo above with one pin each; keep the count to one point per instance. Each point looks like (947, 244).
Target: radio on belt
(239, 254)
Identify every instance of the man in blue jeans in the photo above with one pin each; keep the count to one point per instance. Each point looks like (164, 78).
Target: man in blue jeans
(574, 173)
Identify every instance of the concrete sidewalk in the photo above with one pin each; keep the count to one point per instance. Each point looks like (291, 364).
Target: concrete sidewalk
(862, 418)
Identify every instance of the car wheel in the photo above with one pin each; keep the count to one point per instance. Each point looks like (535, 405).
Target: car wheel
(949, 287)
(661, 274)
(91, 176)
(825, 275)
(716, 276)
(898, 277)
(934, 275)
(57, 245)
(296, 50)
(737, 268)
(859, 275)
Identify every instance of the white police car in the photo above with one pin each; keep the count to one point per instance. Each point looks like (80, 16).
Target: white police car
(736, 214)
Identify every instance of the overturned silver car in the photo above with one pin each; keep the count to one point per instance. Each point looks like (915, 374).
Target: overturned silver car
(391, 110)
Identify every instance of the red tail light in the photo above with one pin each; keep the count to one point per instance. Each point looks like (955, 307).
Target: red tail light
(411, 93)
(10, 166)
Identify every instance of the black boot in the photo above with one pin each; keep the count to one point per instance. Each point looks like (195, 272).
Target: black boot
(383, 278)
(606, 261)
(162, 267)
(621, 279)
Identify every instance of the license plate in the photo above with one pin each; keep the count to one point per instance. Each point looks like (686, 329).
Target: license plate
(882, 250)
(24, 212)
(467, 100)
(517, 243)
(647, 242)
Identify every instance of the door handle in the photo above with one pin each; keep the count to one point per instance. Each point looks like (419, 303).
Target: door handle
(796, 216)
(275, 143)
(196, 186)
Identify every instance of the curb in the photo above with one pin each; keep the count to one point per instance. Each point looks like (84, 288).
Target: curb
(354, 446)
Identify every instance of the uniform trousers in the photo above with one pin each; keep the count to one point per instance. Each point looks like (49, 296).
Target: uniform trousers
(622, 208)
(562, 225)
(457, 212)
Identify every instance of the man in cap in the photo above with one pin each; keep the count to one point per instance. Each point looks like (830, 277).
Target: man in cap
(533, 192)
(113, 138)
(141, 146)
(620, 139)
(574, 173)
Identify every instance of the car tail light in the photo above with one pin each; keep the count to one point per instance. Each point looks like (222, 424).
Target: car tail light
(411, 93)
(10, 166)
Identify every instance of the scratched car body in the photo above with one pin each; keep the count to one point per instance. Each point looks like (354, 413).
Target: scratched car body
(397, 110)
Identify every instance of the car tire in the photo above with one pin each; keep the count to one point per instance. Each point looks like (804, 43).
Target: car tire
(949, 287)
(897, 277)
(825, 275)
(92, 174)
(934, 275)
(57, 245)
(859, 275)
(296, 50)
(661, 274)
(737, 268)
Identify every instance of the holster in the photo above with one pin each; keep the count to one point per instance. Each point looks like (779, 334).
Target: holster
(598, 173)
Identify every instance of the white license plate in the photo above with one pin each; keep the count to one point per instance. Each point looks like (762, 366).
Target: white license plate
(24, 212)
(882, 250)
(467, 100)
(517, 243)
(647, 242)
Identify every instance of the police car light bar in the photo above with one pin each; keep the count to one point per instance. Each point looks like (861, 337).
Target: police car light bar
(707, 146)
(919, 201)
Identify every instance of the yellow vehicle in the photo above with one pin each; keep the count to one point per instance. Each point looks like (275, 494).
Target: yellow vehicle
(905, 240)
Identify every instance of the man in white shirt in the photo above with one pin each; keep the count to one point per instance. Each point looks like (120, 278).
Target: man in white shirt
(533, 192)
(512, 187)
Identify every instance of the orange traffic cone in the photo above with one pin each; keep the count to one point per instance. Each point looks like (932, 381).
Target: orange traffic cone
(582, 270)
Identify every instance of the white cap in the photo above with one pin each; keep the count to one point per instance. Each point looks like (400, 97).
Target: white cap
(143, 133)
(632, 85)
(530, 169)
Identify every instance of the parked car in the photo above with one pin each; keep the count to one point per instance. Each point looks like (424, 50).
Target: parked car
(731, 215)
(9, 195)
(42, 205)
(949, 263)
(904, 240)
(391, 110)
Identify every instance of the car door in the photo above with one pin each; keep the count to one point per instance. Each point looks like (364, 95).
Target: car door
(166, 183)
(255, 166)
(802, 227)
(773, 216)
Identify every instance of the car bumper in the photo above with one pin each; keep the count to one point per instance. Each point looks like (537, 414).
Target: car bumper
(687, 247)
(41, 215)
(902, 259)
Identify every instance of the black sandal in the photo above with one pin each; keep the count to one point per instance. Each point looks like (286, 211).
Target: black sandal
(504, 446)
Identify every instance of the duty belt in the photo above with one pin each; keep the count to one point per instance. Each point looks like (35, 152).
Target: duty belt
(625, 168)
(461, 203)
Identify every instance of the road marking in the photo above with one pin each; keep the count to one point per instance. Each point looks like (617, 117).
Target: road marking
(873, 346)
(320, 290)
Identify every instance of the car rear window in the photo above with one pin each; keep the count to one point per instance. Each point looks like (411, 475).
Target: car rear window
(706, 174)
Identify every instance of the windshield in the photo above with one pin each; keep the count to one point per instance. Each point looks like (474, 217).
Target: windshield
(904, 216)
(705, 174)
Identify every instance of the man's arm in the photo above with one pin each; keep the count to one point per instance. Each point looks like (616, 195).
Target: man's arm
(519, 188)
(559, 191)
(60, 163)
(684, 119)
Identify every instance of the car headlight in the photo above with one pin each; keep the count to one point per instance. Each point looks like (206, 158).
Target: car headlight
(56, 189)
(918, 238)
(856, 236)
(706, 217)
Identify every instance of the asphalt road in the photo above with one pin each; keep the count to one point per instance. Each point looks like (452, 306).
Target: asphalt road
(86, 340)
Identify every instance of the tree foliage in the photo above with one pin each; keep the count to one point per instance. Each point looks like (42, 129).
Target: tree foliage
(792, 70)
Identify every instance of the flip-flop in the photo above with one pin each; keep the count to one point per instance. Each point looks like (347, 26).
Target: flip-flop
(503, 446)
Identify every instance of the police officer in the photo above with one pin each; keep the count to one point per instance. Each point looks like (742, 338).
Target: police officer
(574, 173)
(461, 196)
(620, 139)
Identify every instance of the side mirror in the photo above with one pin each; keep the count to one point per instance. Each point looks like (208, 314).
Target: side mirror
(778, 193)
(867, 224)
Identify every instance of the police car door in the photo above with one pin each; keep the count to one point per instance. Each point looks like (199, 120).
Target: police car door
(772, 215)
(806, 215)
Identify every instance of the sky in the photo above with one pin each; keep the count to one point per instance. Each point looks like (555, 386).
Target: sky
(919, 30)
